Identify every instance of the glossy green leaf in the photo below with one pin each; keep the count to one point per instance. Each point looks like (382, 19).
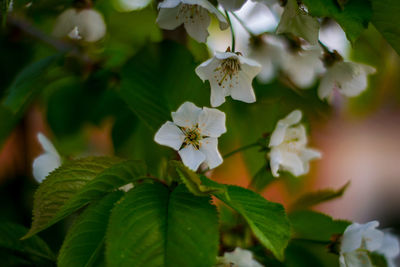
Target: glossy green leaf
(267, 220)
(316, 226)
(34, 249)
(353, 18)
(152, 226)
(386, 20)
(313, 198)
(78, 182)
(84, 242)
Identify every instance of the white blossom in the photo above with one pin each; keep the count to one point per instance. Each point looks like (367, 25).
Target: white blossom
(86, 24)
(359, 240)
(229, 74)
(239, 258)
(297, 21)
(194, 134)
(130, 5)
(46, 162)
(193, 14)
(347, 78)
(231, 5)
(270, 53)
(126, 187)
(288, 146)
(303, 66)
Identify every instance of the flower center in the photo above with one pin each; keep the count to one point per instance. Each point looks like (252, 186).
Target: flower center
(189, 13)
(229, 67)
(192, 137)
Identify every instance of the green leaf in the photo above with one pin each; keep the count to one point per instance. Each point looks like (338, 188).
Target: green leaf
(78, 182)
(377, 260)
(157, 80)
(310, 199)
(353, 19)
(193, 181)
(262, 178)
(267, 220)
(152, 226)
(84, 242)
(35, 247)
(316, 226)
(386, 20)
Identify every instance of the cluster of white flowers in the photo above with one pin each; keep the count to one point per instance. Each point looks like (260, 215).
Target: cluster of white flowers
(238, 258)
(359, 241)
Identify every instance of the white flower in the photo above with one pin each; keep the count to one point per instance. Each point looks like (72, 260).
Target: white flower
(288, 146)
(270, 52)
(348, 78)
(85, 24)
(296, 21)
(231, 5)
(192, 13)
(126, 187)
(130, 5)
(303, 66)
(46, 162)
(240, 258)
(229, 74)
(194, 134)
(359, 240)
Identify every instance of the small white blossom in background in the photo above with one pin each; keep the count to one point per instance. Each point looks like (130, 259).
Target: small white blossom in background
(296, 21)
(347, 78)
(359, 240)
(303, 65)
(130, 5)
(194, 134)
(238, 258)
(126, 187)
(229, 74)
(193, 14)
(46, 162)
(231, 5)
(80, 24)
(270, 52)
(288, 145)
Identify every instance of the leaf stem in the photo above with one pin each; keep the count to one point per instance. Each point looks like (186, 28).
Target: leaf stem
(232, 31)
(240, 149)
(243, 24)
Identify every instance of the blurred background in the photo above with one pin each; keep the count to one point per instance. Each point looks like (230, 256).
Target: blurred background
(80, 110)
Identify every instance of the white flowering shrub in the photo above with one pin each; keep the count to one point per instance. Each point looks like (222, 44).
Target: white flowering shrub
(174, 110)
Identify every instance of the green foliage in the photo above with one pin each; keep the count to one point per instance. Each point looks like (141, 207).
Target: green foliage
(84, 242)
(313, 198)
(152, 86)
(385, 18)
(78, 182)
(32, 251)
(193, 181)
(21, 92)
(315, 226)
(377, 260)
(266, 219)
(262, 178)
(353, 18)
(152, 226)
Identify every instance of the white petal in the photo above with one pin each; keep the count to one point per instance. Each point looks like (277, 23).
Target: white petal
(130, 5)
(65, 22)
(356, 78)
(231, 5)
(168, 18)
(326, 85)
(212, 122)
(223, 23)
(355, 233)
(291, 162)
(240, 258)
(74, 34)
(126, 187)
(356, 259)
(307, 155)
(275, 161)
(169, 4)
(278, 135)
(197, 27)
(169, 135)
(225, 55)
(249, 66)
(296, 21)
(46, 144)
(206, 69)
(218, 93)
(187, 115)
(91, 25)
(209, 146)
(44, 164)
(243, 90)
(390, 246)
(191, 157)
